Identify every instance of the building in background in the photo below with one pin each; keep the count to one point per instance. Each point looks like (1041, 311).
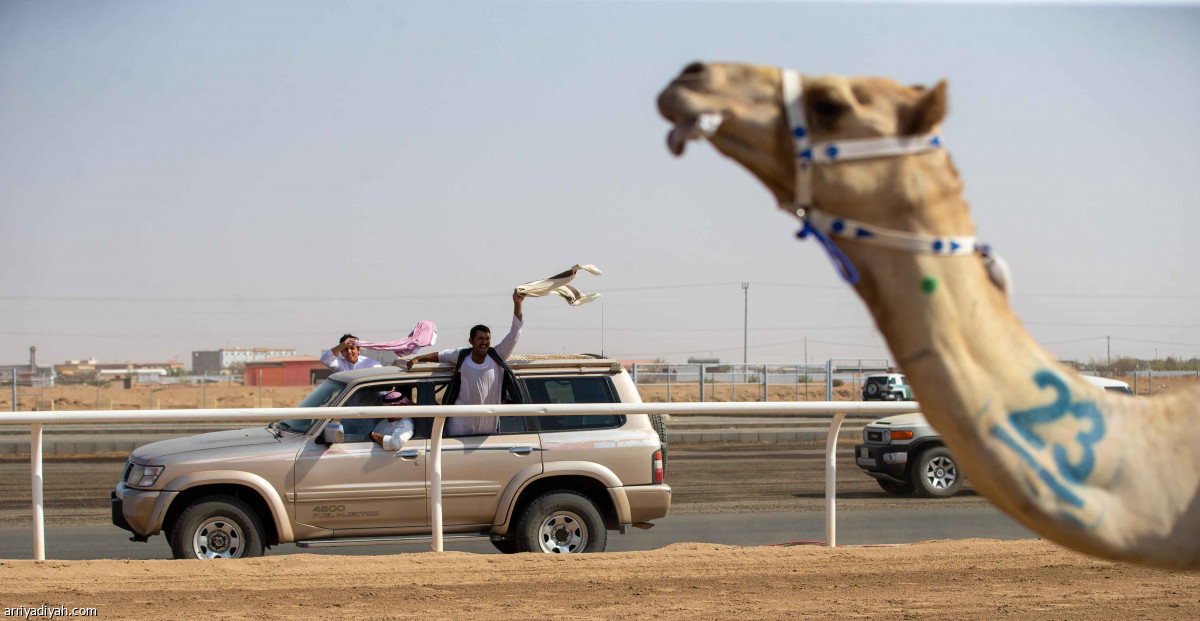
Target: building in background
(285, 371)
(76, 371)
(221, 360)
(30, 374)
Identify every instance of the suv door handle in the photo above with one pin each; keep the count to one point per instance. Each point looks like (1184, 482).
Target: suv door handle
(409, 454)
(521, 450)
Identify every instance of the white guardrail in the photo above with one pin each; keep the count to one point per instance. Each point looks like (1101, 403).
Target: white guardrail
(836, 409)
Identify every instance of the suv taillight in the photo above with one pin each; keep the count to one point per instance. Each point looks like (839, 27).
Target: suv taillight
(657, 467)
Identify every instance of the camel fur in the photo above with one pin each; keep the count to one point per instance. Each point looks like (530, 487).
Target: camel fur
(1110, 475)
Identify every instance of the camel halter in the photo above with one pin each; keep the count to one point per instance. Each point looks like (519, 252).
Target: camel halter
(824, 226)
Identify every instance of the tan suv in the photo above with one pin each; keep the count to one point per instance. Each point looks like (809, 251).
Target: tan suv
(552, 484)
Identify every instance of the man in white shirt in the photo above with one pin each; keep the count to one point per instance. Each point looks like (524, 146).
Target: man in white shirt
(345, 356)
(481, 377)
(391, 433)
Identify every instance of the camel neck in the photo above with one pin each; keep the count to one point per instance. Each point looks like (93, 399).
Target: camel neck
(948, 326)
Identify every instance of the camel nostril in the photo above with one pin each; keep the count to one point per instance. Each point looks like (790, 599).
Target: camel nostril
(693, 68)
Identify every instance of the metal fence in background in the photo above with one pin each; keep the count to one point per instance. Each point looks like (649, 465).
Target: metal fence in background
(719, 382)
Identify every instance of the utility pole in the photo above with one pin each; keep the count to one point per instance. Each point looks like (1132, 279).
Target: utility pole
(1108, 339)
(746, 325)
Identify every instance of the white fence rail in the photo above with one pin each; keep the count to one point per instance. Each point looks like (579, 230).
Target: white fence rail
(837, 410)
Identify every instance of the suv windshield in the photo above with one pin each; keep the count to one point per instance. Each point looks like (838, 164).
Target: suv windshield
(324, 395)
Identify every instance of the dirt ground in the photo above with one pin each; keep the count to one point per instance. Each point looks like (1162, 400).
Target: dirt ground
(932, 580)
(143, 397)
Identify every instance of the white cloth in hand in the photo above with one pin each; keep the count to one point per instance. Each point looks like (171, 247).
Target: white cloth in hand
(557, 285)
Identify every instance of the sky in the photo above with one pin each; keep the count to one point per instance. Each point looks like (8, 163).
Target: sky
(182, 176)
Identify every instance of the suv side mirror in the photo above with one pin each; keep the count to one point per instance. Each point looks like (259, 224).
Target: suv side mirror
(332, 434)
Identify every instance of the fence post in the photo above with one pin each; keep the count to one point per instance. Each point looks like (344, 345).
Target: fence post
(835, 428)
(259, 388)
(701, 383)
(204, 392)
(829, 380)
(766, 393)
(668, 382)
(14, 387)
(435, 480)
(35, 458)
(733, 393)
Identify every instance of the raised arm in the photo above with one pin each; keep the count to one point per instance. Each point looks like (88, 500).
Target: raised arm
(506, 346)
(430, 357)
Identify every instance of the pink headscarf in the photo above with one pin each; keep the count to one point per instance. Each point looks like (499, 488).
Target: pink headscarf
(424, 334)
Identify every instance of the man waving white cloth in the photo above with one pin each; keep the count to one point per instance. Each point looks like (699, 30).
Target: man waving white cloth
(557, 285)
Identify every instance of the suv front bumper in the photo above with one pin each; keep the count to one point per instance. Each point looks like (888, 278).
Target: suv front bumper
(139, 511)
(882, 461)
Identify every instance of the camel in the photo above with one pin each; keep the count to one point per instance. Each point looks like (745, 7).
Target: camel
(860, 161)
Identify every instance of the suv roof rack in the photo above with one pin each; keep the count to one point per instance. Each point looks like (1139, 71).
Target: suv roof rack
(536, 357)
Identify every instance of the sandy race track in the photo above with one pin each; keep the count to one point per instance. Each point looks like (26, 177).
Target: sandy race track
(937, 580)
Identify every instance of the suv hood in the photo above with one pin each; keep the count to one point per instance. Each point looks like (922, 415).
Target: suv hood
(916, 419)
(203, 442)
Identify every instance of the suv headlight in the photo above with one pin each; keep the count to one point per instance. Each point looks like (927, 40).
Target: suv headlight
(143, 476)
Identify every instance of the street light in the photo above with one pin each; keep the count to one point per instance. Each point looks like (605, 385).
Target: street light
(746, 325)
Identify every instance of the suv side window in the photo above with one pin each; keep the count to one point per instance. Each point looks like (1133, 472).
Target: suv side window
(359, 429)
(573, 390)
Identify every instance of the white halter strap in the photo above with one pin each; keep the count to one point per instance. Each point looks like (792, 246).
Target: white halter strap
(807, 153)
(824, 226)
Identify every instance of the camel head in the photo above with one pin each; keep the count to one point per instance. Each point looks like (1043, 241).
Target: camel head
(740, 109)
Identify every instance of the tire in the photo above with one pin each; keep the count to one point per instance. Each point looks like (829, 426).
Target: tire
(505, 545)
(895, 489)
(872, 391)
(936, 475)
(561, 522)
(660, 427)
(217, 527)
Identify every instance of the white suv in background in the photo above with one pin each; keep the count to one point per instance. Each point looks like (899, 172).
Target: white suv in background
(906, 455)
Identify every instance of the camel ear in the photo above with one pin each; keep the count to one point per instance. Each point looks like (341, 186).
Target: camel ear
(929, 110)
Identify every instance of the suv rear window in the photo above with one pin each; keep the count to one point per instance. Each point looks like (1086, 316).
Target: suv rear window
(573, 390)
